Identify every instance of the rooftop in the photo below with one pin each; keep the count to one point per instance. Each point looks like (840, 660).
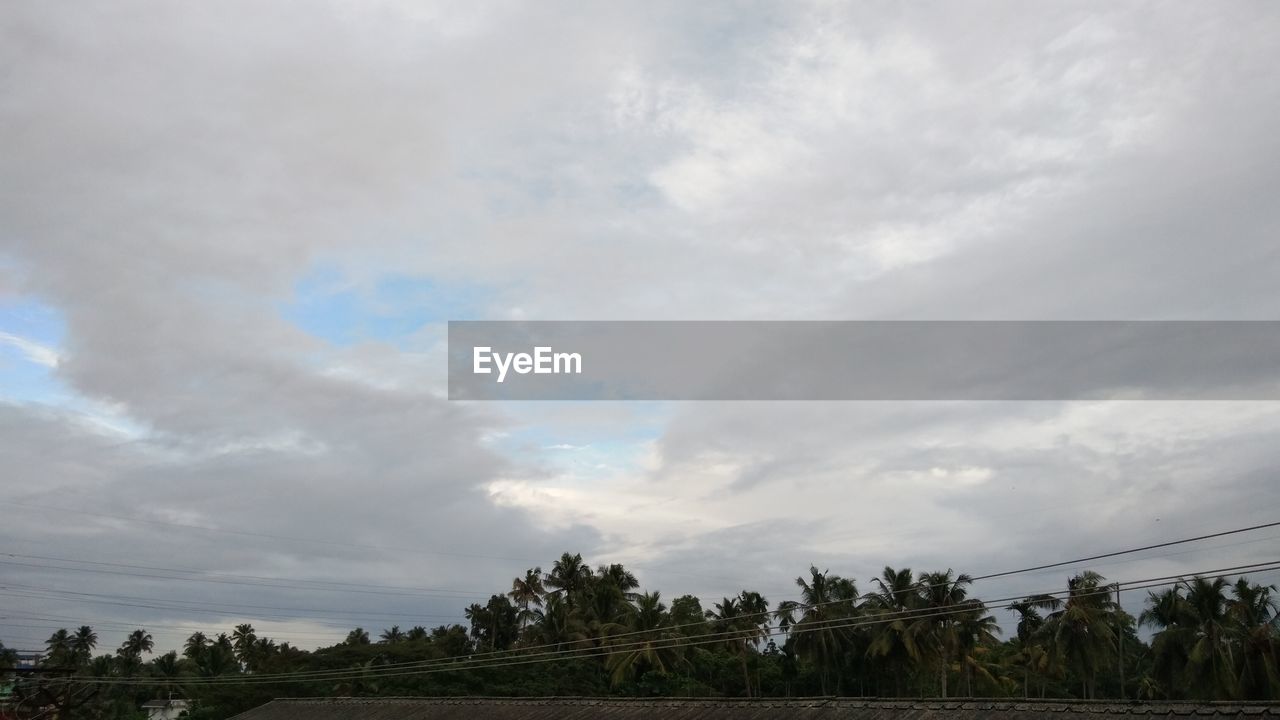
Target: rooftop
(551, 708)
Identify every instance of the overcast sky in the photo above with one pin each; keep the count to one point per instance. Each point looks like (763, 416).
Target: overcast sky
(231, 234)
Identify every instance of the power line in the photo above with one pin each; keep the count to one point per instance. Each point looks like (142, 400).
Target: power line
(1130, 551)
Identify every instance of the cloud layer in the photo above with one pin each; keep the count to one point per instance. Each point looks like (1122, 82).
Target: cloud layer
(247, 222)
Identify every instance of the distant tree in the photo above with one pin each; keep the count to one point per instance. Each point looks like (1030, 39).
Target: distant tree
(242, 640)
(1032, 655)
(130, 652)
(527, 593)
(58, 651)
(1254, 624)
(82, 644)
(195, 645)
(569, 577)
(1083, 633)
(392, 635)
(897, 640)
(646, 641)
(359, 636)
(556, 624)
(824, 600)
(741, 622)
(1210, 669)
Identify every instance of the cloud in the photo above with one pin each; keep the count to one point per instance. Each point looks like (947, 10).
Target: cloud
(33, 351)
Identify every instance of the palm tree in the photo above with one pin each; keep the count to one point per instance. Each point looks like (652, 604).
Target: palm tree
(130, 652)
(557, 624)
(569, 577)
(1083, 632)
(82, 645)
(59, 648)
(896, 639)
(359, 636)
(975, 632)
(1031, 652)
(166, 665)
(218, 658)
(138, 643)
(416, 633)
(940, 594)
(1171, 645)
(650, 643)
(620, 578)
(242, 639)
(392, 635)
(742, 621)
(527, 592)
(824, 599)
(195, 645)
(1209, 664)
(1253, 613)
(262, 650)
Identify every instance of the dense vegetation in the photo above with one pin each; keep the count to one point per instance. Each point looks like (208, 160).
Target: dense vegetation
(578, 631)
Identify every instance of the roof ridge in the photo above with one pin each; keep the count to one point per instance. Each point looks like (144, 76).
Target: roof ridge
(784, 700)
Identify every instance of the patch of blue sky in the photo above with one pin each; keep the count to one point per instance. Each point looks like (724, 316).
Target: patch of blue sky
(392, 309)
(32, 320)
(31, 339)
(30, 336)
(584, 446)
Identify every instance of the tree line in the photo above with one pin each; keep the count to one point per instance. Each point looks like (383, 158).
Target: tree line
(585, 631)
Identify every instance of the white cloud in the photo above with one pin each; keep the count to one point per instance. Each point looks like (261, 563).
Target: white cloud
(34, 351)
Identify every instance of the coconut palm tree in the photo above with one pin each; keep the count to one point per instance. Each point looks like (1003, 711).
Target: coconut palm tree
(1032, 655)
(1210, 670)
(392, 635)
(742, 622)
(195, 645)
(1253, 613)
(569, 577)
(1171, 644)
(824, 599)
(359, 636)
(650, 643)
(58, 648)
(82, 644)
(130, 652)
(940, 595)
(527, 593)
(619, 578)
(217, 658)
(975, 632)
(897, 639)
(261, 652)
(1083, 634)
(416, 633)
(557, 624)
(242, 639)
(166, 665)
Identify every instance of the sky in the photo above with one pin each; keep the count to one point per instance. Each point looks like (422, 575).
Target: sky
(231, 235)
